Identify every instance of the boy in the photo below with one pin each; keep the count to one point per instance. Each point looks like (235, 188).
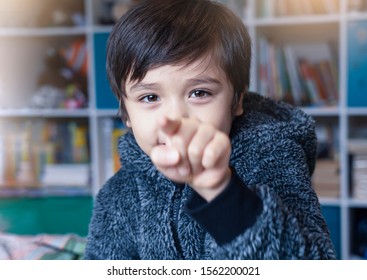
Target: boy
(209, 170)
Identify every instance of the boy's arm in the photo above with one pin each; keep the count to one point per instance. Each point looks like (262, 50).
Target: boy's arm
(285, 224)
(230, 213)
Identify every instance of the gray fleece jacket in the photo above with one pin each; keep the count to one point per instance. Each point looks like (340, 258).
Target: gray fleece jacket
(268, 211)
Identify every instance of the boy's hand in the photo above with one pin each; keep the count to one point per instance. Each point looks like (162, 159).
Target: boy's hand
(194, 153)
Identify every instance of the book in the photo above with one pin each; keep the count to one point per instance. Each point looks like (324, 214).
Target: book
(2, 159)
(300, 74)
(359, 176)
(65, 174)
(263, 76)
(113, 129)
(306, 81)
(283, 77)
(309, 82)
(357, 63)
(357, 146)
(32, 146)
(106, 145)
(79, 142)
(331, 6)
(327, 141)
(291, 66)
(358, 167)
(357, 6)
(330, 81)
(279, 8)
(326, 178)
(118, 130)
(10, 158)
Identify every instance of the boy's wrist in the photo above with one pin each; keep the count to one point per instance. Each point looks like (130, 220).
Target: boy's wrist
(236, 201)
(212, 192)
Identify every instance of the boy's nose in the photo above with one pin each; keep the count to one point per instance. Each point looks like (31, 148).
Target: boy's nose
(177, 110)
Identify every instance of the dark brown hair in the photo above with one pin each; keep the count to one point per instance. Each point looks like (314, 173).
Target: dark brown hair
(168, 32)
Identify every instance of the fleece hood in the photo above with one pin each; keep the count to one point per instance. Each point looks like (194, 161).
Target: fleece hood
(274, 122)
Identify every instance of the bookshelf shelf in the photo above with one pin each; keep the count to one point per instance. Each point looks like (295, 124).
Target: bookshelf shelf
(43, 32)
(358, 203)
(362, 111)
(102, 29)
(45, 113)
(36, 192)
(327, 201)
(299, 20)
(324, 111)
(107, 113)
(357, 16)
(338, 119)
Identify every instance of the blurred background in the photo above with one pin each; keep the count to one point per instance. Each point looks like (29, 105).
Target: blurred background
(59, 123)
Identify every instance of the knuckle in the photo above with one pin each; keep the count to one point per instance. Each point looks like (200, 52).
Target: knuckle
(223, 139)
(178, 141)
(194, 151)
(207, 128)
(211, 152)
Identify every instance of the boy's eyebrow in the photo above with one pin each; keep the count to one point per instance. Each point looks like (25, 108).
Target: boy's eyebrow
(203, 80)
(141, 85)
(191, 82)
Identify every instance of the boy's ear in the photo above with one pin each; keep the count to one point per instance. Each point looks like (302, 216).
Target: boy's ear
(128, 124)
(239, 107)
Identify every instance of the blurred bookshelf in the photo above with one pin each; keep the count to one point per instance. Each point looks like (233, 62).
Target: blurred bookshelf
(313, 54)
(308, 53)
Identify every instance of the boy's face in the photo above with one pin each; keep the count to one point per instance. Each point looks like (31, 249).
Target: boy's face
(198, 90)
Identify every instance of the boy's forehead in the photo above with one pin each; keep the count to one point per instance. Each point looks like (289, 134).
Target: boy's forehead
(193, 67)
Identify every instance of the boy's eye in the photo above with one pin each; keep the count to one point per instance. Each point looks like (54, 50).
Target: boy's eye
(199, 93)
(150, 98)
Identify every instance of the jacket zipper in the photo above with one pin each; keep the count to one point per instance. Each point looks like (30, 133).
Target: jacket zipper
(176, 202)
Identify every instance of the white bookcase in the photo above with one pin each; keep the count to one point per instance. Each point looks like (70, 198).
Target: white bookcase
(320, 27)
(300, 28)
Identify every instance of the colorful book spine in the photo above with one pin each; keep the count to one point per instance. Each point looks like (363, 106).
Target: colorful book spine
(26, 148)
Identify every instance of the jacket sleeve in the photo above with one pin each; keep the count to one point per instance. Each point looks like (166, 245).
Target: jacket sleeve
(111, 232)
(286, 224)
